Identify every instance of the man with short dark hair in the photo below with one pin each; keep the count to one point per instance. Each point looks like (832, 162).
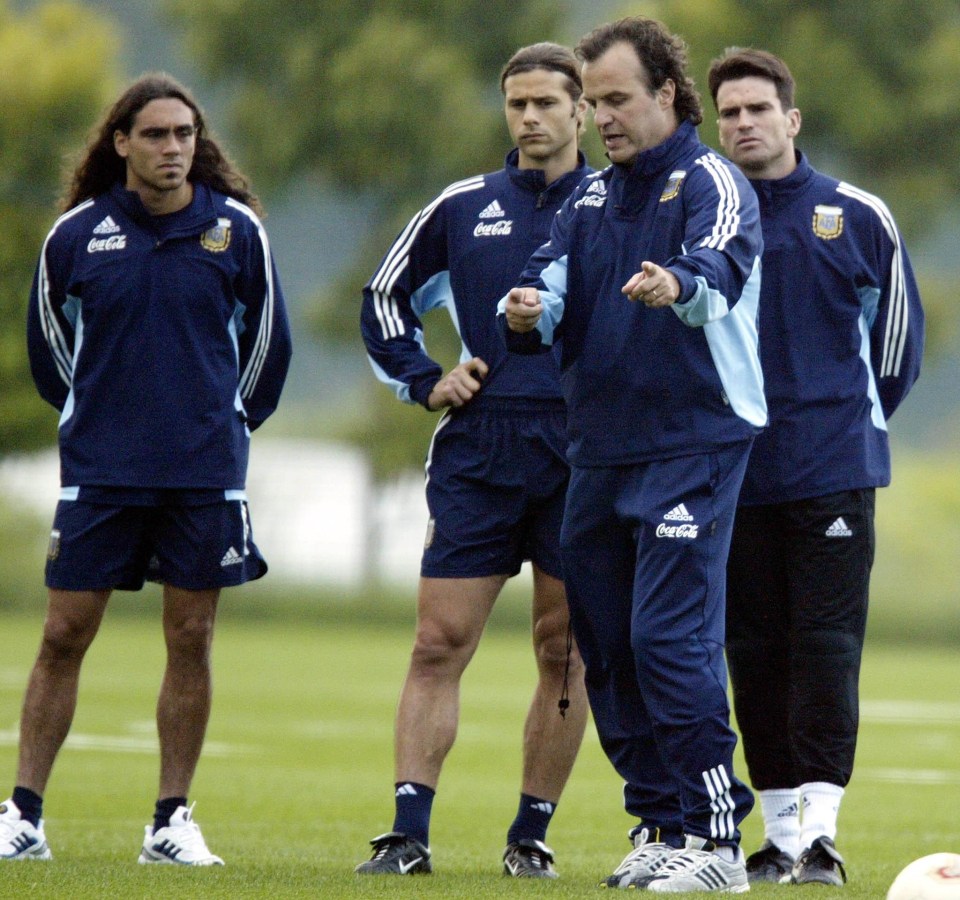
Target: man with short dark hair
(496, 469)
(841, 331)
(650, 284)
(157, 328)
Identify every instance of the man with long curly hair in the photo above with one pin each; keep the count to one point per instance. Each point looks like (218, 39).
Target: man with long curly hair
(157, 328)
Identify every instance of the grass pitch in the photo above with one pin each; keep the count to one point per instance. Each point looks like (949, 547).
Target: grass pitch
(297, 773)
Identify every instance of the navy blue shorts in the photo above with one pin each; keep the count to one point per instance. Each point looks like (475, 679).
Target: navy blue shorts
(496, 484)
(99, 546)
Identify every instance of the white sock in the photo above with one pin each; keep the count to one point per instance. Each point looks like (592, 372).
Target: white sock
(820, 801)
(781, 818)
(725, 852)
(729, 854)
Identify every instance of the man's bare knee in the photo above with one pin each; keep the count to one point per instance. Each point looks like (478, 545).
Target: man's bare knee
(551, 642)
(73, 619)
(188, 623)
(190, 638)
(439, 649)
(451, 614)
(65, 640)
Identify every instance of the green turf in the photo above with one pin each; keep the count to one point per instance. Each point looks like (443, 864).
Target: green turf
(297, 775)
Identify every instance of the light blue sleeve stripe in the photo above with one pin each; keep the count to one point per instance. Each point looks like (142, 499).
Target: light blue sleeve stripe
(400, 388)
(706, 305)
(437, 293)
(77, 320)
(554, 278)
(735, 351)
(235, 495)
(876, 408)
(68, 408)
(70, 493)
(870, 302)
(433, 294)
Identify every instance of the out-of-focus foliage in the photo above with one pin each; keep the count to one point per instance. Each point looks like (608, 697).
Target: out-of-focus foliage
(56, 72)
(878, 84)
(396, 98)
(392, 98)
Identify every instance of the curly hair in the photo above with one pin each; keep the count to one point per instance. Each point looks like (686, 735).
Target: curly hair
(663, 55)
(101, 167)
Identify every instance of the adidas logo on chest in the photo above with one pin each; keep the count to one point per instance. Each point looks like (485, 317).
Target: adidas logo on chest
(492, 222)
(107, 226)
(493, 210)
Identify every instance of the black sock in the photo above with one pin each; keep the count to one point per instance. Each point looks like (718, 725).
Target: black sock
(413, 805)
(533, 817)
(30, 805)
(164, 809)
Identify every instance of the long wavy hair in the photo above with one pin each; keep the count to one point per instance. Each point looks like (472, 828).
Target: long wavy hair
(101, 167)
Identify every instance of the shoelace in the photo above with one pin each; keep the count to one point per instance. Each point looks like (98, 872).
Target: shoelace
(188, 836)
(642, 853)
(684, 861)
(537, 858)
(9, 827)
(382, 848)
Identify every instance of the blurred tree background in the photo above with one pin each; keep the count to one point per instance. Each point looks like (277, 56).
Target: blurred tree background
(384, 102)
(350, 117)
(394, 101)
(399, 98)
(58, 67)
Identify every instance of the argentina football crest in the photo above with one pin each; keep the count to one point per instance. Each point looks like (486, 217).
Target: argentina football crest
(827, 221)
(672, 187)
(216, 239)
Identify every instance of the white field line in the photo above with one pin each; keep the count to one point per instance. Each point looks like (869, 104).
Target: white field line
(124, 744)
(908, 776)
(887, 712)
(909, 712)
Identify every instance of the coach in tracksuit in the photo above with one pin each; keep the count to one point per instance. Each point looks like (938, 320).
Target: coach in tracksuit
(496, 468)
(841, 336)
(157, 329)
(650, 283)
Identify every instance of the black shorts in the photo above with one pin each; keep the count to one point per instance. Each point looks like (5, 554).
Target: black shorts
(804, 564)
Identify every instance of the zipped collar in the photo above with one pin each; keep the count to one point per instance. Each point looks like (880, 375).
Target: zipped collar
(196, 217)
(796, 182)
(534, 180)
(654, 160)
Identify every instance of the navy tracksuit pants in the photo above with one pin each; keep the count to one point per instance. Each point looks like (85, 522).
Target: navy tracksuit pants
(644, 551)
